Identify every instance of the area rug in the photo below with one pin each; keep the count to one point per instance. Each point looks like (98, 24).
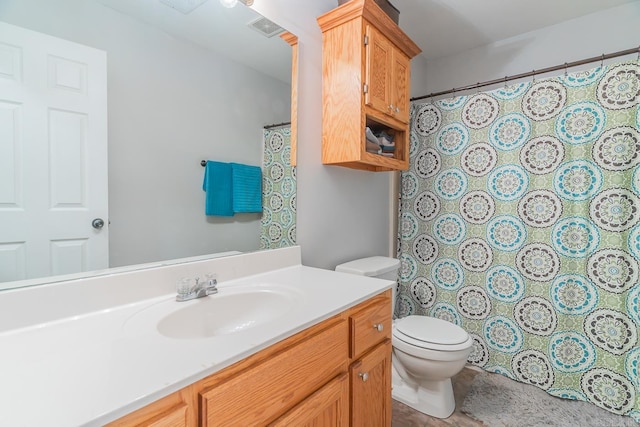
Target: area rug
(498, 401)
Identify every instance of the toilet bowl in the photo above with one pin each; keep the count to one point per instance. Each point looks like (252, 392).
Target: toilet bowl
(427, 351)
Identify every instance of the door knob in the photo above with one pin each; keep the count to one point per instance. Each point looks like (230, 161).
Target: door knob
(97, 223)
(379, 327)
(364, 376)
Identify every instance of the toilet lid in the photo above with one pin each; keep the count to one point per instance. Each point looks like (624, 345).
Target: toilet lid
(430, 330)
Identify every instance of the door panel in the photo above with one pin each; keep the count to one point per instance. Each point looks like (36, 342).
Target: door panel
(378, 74)
(53, 151)
(371, 388)
(401, 70)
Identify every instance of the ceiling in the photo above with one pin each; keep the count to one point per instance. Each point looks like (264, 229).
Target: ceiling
(440, 27)
(215, 28)
(447, 27)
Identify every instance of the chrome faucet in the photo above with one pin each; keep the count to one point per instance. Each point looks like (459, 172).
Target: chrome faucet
(187, 292)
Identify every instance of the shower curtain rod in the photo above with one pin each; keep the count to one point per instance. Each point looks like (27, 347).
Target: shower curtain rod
(276, 125)
(533, 73)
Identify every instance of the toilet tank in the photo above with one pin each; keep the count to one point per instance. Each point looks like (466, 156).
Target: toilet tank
(380, 267)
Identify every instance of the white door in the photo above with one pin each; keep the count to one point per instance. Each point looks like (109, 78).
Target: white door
(53, 156)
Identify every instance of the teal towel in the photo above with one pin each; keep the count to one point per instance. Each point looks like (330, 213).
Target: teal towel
(217, 185)
(247, 188)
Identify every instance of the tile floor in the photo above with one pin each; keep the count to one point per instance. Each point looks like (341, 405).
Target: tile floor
(404, 416)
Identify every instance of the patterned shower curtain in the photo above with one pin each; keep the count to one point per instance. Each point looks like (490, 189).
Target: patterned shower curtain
(520, 222)
(278, 225)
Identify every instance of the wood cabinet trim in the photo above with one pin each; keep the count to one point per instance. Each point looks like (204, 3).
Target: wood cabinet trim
(369, 10)
(292, 39)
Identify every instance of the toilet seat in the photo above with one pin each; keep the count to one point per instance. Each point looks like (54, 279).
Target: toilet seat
(431, 333)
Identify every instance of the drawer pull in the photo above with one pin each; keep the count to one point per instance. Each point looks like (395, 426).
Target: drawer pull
(378, 326)
(364, 376)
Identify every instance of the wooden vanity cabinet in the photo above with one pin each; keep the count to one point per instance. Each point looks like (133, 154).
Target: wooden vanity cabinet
(365, 83)
(335, 373)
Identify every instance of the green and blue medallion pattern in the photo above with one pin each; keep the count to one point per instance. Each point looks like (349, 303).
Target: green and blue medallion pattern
(520, 222)
(278, 225)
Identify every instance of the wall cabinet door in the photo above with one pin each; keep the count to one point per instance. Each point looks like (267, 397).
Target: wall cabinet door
(378, 53)
(400, 73)
(386, 76)
(371, 387)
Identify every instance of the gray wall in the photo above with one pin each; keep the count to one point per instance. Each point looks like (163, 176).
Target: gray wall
(342, 213)
(170, 104)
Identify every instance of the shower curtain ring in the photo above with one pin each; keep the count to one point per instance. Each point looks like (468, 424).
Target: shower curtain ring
(533, 76)
(602, 61)
(505, 82)
(638, 59)
(565, 69)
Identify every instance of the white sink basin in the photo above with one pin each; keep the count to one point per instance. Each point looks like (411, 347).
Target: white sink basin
(222, 314)
(232, 310)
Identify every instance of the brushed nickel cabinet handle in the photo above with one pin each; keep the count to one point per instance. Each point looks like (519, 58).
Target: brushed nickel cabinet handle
(364, 376)
(378, 326)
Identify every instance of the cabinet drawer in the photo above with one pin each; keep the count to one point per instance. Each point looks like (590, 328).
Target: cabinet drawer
(370, 324)
(259, 394)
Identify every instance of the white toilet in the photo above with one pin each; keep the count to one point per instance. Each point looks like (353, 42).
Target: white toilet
(427, 351)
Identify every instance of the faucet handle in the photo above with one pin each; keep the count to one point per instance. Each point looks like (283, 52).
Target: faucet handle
(210, 283)
(210, 279)
(185, 287)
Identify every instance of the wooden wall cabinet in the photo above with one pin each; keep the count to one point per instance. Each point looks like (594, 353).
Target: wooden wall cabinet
(336, 373)
(365, 83)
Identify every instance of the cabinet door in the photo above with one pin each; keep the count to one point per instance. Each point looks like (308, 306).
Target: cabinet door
(175, 410)
(400, 74)
(378, 71)
(261, 393)
(371, 388)
(327, 407)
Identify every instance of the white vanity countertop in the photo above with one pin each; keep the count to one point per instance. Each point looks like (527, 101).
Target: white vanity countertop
(96, 367)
